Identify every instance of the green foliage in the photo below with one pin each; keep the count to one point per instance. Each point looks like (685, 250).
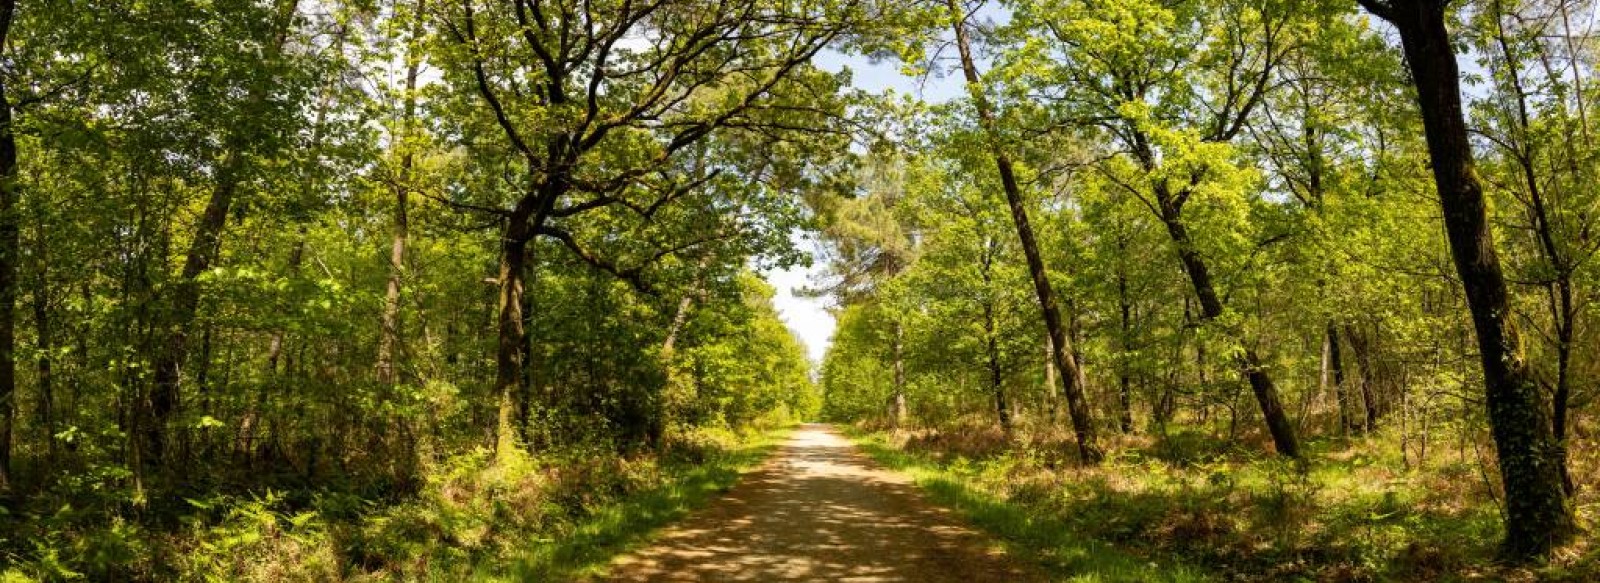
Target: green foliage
(251, 193)
(276, 237)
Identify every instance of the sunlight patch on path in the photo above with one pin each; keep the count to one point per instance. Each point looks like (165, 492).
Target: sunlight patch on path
(821, 511)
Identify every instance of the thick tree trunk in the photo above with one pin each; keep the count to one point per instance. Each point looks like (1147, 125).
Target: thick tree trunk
(1248, 363)
(1071, 376)
(10, 247)
(1364, 380)
(1537, 517)
(508, 355)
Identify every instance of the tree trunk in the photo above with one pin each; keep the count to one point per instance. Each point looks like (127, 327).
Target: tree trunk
(1248, 363)
(10, 245)
(1336, 362)
(1537, 518)
(679, 318)
(1077, 404)
(389, 339)
(897, 401)
(1322, 381)
(508, 355)
(1124, 339)
(1050, 378)
(1364, 380)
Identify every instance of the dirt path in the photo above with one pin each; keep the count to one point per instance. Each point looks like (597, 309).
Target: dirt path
(821, 511)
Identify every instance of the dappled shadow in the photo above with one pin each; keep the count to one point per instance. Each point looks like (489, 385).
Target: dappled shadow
(820, 511)
(1184, 501)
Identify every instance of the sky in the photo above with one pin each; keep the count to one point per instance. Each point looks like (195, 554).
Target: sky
(809, 317)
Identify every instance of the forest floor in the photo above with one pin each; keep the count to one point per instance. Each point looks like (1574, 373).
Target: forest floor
(819, 510)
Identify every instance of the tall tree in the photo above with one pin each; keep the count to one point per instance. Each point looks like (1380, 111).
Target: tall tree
(588, 115)
(1537, 517)
(389, 340)
(1133, 72)
(1066, 357)
(1535, 117)
(873, 242)
(10, 255)
(232, 172)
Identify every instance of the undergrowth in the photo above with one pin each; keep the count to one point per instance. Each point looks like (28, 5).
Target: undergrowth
(537, 518)
(1160, 506)
(1051, 540)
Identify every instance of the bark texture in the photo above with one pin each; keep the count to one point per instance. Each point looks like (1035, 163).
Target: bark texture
(1537, 517)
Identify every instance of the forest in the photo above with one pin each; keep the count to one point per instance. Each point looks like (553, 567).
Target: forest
(369, 290)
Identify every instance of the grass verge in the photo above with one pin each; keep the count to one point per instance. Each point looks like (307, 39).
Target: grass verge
(1054, 544)
(629, 523)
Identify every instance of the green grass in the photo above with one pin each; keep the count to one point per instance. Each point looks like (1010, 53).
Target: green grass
(1053, 543)
(630, 523)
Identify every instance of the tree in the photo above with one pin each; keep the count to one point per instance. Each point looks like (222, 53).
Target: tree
(968, 283)
(404, 137)
(233, 168)
(588, 116)
(1170, 88)
(1065, 356)
(1536, 119)
(873, 240)
(1537, 517)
